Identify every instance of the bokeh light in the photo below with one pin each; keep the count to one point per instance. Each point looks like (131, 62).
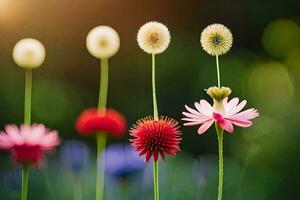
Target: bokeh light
(281, 37)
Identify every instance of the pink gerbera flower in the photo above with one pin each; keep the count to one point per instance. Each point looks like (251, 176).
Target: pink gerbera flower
(225, 113)
(27, 144)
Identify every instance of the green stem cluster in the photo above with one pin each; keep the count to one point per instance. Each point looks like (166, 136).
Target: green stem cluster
(101, 137)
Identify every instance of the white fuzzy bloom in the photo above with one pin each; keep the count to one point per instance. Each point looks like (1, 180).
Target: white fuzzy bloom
(216, 39)
(29, 53)
(153, 37)
(102, 42)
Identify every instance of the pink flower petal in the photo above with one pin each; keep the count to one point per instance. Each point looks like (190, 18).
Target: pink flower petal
(236, 109)
(5, 141)
(50, 140)
(192, 123)
(227, 125)
(206, 107)
(14, 134)
(191, 110)
(230, 105)
(205, 126)
(241, 123)
(247, 114)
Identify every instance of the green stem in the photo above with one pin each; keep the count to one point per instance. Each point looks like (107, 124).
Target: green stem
(101, 142)
(103, 89)
(155, 109)
(221, 172)
(77, 189)
(25, 176)
(218, 71)
(155, 176)
(101, 137)
(27, 121)
(27, 100)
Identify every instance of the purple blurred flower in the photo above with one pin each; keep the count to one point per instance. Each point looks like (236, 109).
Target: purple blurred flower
(75, 155)
(122, 160)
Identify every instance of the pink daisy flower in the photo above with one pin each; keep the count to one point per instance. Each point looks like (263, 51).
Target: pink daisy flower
(27, 144)
(225, 113)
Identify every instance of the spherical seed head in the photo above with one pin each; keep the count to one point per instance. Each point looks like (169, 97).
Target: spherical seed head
(103, 42)
(29, 53)
(216, 39)
(153, 38)
(156, 137)
(218, 94)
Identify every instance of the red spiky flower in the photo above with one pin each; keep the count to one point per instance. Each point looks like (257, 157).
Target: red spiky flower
(156, 137)
(109, 121)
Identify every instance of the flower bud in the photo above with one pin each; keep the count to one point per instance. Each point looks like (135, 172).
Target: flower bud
(217, 93)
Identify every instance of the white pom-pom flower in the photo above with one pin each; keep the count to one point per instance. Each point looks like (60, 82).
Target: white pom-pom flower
(216, 39)
(29, 53)
(103, 42)
(153, 37)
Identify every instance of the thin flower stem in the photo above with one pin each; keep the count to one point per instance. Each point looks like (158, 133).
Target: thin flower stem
(155, 109)
(103, 89)
(218, 71)
(27, 99)
(27, 121)
(77, 189)
(25, 176)
(221, 172)
(101, 142)
(155, 114)
(155, 176)
(101, 137)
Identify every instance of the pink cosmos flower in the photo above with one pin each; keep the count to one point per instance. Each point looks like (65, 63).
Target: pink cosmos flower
(225, 113)
(27, 144)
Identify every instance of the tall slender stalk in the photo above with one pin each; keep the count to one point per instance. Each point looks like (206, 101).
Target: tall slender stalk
(77, 190)
(155, 109)
(221, 172)
(27, 99)
(155, 113)
(27, 121)
(218, 71)
(101, 137)
(155, 176)
(25, 177)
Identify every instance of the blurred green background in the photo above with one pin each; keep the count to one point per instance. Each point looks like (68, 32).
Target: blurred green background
(261, 162)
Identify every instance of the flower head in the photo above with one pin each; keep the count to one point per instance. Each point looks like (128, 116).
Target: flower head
(28, 143)
(29, 53)
(122, 161)
(225, 113)
(108, 121)
(216, 39)
(153, 37)
(217, 93)
(156, 137)
(103, 42)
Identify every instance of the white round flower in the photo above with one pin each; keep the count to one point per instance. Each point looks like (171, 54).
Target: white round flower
(153, 37)
(29, 53)
(216, 39)
(103, 42)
